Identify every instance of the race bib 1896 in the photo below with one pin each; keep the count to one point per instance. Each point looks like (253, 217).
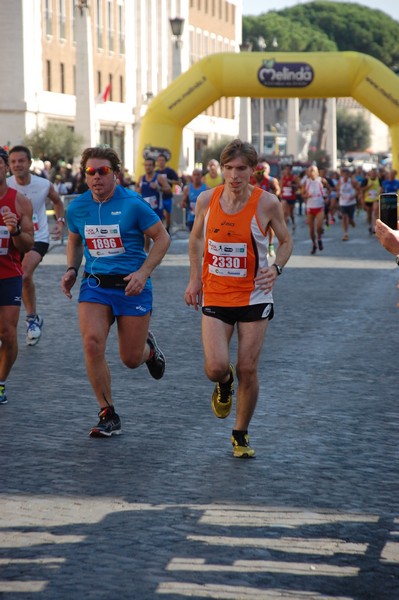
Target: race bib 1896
(104, 240)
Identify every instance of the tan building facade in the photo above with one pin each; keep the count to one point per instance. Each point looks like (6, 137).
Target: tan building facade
(131, 59)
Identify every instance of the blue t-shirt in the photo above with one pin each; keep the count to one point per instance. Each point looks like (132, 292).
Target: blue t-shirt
(151, 195)
(112, 231)
(390, 186)
(193, 194)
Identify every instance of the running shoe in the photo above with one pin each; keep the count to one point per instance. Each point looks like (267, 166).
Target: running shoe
(345, 237)
(313, 250)
(222, 397)
(320, 244)
(3, 397)
(109, 423)
(156, 363)
(33, 330)
(241, 447)
(271, 250)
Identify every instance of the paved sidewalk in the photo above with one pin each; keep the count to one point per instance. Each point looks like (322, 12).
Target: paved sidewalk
(164, 511)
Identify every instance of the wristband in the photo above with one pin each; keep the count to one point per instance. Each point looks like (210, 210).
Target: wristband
(72, 269)
(18, 232)
(61, 220)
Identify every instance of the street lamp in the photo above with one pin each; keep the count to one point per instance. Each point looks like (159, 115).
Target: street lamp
(262, 47)
(177, 26)
(245, 123)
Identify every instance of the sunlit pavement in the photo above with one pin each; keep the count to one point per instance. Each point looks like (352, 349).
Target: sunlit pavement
(164, 511)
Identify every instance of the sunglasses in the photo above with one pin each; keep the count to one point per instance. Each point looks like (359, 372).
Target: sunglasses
(101, 170)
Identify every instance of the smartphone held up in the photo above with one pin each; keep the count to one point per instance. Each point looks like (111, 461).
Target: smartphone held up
(389, 210)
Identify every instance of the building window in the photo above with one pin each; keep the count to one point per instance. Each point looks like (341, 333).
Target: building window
(48, 75)
(49, 18)
(99, 83)
(220, 9)
(233, 14)
(61, 19)
(62, 77)
(99, 25)
(206, 44)
(110, 86)
(213, 8)
(192, 52)
(121, 28)
(110, 31)
(121, 89)
(199, 45)
(73, 21)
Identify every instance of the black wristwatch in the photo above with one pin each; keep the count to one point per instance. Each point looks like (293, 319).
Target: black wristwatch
(397, 260)
(18, 232)
(278, 268)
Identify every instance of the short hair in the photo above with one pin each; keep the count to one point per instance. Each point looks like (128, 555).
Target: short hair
(101, 152)
(21, 148)
(4, 155)
(239, 148)
(151, 160)
(163, 156)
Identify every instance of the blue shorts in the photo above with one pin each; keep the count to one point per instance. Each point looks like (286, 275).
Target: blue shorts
(167, 204)
(11, 291)
(121, 305)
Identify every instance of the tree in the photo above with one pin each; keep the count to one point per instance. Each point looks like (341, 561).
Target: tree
(324, 26)
(353, 132)
(214, 151)
(55, 142)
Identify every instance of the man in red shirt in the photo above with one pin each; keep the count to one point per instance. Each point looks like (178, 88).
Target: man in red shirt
(16, 237)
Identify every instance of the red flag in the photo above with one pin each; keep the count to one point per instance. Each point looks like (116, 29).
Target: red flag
(104, 96)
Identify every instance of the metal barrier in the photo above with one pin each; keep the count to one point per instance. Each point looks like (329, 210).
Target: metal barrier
(178, 219)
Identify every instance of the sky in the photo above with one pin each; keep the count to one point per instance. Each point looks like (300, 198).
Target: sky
(257, 7)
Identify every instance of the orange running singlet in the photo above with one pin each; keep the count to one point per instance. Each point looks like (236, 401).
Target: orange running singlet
(234, 252)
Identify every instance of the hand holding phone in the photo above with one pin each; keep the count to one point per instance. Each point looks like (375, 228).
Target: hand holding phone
(389, 210)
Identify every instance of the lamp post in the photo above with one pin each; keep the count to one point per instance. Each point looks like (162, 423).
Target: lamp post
(262, 47)
(245, 123)
(177, 26)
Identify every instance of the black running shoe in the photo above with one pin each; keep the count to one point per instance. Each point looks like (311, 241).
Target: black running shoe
(157, 363)
(109, 423)
(320, 244)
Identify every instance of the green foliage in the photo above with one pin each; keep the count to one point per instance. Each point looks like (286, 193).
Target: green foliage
(353, 132)
(327, 26)
(290, 36)
(56, 142)
(320, 157)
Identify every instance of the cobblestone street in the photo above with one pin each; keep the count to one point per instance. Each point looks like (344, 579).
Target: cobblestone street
(164, 511)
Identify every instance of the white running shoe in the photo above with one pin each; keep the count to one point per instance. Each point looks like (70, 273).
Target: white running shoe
(33, 330)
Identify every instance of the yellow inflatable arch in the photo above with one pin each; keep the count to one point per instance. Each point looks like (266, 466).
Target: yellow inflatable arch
(268, 75)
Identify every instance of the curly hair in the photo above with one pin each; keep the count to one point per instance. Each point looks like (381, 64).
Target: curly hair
(101, 152)
(237, 148)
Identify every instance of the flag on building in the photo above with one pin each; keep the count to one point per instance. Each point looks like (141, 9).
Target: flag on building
(104, 95)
